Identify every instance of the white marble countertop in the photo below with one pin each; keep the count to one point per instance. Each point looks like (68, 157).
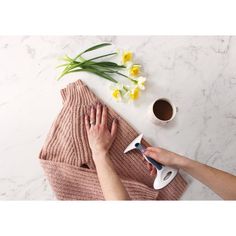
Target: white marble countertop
(197, 73)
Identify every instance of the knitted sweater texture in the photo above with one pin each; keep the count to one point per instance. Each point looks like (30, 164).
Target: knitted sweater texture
(67, 159)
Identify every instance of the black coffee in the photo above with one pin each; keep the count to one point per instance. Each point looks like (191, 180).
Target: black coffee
(162, 110)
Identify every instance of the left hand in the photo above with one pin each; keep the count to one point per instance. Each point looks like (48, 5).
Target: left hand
(99, 136)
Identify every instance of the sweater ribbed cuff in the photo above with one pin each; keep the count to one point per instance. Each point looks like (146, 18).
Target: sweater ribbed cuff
(78, 94)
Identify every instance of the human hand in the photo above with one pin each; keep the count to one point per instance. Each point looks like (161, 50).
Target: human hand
(99, 136)
(164, 157)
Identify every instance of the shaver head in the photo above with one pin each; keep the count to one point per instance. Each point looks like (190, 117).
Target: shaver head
(132, 145)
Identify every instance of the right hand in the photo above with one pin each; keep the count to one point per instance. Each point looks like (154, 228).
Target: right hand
(164, 157)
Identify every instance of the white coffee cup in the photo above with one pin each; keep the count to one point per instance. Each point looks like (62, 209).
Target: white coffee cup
(161, 117)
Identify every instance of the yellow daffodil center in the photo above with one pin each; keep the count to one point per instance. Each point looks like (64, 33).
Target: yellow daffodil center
(127, 56)
(135, 70)
(116, 94)
(134, 94)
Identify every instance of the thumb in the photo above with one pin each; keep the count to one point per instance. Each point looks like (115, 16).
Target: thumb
(114, 128)
(151, 154)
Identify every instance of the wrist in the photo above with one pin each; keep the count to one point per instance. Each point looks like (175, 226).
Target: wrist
(182, 162)
(178, 161)
(100, 157)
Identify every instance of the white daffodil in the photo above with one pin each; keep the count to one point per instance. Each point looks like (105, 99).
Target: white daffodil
(117, 91)
(132, 94)
(141, 82)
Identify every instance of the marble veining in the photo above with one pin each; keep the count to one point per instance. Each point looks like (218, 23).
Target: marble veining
(197, 73)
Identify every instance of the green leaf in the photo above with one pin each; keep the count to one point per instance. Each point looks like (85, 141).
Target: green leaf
(92, 69)
(68, 69)
(96, 72)
(77, 70)
(62, 65)
(102, 65)
(66, 58)
(99, 68)
(105, 55)
(72, 65)
(109, 64)
(92, 48)
(105, 76)
(96, 47)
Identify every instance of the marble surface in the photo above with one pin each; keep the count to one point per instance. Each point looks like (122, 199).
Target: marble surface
(197, 73)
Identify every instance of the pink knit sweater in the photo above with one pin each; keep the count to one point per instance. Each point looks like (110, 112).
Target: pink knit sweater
(67, 161)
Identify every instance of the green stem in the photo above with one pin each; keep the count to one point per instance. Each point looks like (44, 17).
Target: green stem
(134, 81)
(125, 88)
(82, 59)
